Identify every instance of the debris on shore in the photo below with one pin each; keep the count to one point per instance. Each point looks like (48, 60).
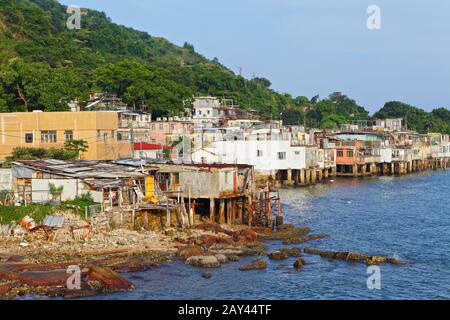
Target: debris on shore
(35, 258)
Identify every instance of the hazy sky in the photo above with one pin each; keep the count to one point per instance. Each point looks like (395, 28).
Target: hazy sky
(309, 47)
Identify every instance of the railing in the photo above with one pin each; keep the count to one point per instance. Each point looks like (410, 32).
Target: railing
(134, 124)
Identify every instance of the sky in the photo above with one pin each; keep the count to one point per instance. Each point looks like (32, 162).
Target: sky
(310, 47)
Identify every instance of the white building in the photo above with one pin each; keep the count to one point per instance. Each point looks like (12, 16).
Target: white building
(206, 110)
(265, 155)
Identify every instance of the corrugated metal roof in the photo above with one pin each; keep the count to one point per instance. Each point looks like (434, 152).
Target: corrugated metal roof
(53, 221)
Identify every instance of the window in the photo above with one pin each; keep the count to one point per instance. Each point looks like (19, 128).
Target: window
(99, 134)
(48, 136)
(29, 138)
(209, 112)
(350, 153)
(161, 126)
(153, 127)
(227, 179)
(105, 137)
(297, 153)
(113, 134)
(68, 135)
(282, 155)
(340, 153)
(259, 153)
(172, 126)
(199, 112)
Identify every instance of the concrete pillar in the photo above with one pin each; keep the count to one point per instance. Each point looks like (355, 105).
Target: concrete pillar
(289, 180)
(308, 176)
(222, 211)
(373, 168)
(212, 210)
(364, 169)
(296, 177)
(320, 175)
(355, 170)
(302, 176)
(313, 176)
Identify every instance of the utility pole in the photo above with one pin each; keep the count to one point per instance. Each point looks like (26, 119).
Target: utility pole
(130, 125)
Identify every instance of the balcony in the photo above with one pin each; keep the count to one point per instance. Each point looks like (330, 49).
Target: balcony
(128, 124)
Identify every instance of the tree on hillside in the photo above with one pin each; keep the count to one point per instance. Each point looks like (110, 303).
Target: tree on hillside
(416, 118)
(36, 86)
(137, 83)
(348, 107)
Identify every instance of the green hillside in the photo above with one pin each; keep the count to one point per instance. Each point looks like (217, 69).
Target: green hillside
(44, 65)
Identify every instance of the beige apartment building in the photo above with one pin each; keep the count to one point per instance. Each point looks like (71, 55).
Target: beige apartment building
(53, 129)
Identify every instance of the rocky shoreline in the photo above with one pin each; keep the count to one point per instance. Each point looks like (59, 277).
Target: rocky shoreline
(41, 268)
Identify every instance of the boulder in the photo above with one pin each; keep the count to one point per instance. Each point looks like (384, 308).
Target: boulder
(233, 258)
(249, 234)
(285, 253)
(207, 275)
(190, 250)
(221, 257)
(203, 261)
(209, 240)
(352, 256)
(278, 255)
(286, 232)
(298, 264)
(255, 264)
(262, 230)
(4, 289)
(254, 249)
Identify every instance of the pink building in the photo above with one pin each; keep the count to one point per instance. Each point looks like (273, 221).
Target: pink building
(161, 132)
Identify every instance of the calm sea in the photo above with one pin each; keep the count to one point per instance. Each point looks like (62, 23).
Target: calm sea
(405, 217)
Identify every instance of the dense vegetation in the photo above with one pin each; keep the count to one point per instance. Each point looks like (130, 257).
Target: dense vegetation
(44, 65)
(72, 150)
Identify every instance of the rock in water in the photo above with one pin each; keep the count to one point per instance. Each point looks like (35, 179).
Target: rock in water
(207, 275)
(203, 261)
(256, 264)
(353, 257)
(111, 280)
(221, 257)
(190, 251)
(299, 264)
(285, 253)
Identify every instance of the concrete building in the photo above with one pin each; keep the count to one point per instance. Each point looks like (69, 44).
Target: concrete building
(207, 110)
(53, 129)
(168, 130)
